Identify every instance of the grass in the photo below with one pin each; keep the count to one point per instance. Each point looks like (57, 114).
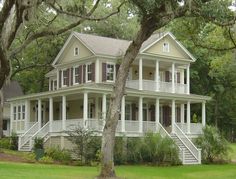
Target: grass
(20, 170)
(233, 152)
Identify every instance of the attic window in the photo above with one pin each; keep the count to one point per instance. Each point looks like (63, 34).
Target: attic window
(76, 51)
(166, 47)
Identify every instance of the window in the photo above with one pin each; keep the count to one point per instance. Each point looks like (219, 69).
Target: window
(14, 113)
(128, 112)
(166, 47)
(110, 72)
(4, 125)
(76, 75)
(23, 112)
(54, 84)
(76, 51)
(89, 72)
(19, 112)
(64, 77)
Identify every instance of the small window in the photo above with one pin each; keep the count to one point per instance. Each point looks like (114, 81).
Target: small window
(76, 51)
(4, 125)
(19, 112)
(128, 112)
(64, 77)
(14, 113)
(166, 47)
(110, 72)
(23, 112)
(76, 75)
(89, 72)
(54, 85)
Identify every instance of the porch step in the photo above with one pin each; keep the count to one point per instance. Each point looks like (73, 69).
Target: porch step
(25, 147)
(189, 158)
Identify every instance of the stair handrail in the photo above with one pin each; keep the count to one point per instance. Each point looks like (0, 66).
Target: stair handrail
(24, 138)
(192, 148)
(44, 130)
(168, 135)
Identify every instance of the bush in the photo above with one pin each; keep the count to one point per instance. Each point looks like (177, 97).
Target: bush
(38, 143)
(215, 147)
(58, 155)
(133, 150)
(14, 141)
(5, 143)
(158, 150)
(86, 145)
(120, 150)
(46, 160)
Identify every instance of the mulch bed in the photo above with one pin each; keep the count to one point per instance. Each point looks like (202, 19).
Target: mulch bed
(11, 158)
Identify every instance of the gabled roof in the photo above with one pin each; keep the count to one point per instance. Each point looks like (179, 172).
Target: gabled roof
(11, 90)
(106, 46)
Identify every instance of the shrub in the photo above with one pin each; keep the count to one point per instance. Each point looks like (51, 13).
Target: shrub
(46, 160)
(30, 157)
(86, 145)
(120, 150)
(58, 155)
(133, 150)
(14, 141)
(5, 143)
(38, 143)
(215, 147)
(158, 150)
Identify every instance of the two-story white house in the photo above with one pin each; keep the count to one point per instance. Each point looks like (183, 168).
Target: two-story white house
(157, 96)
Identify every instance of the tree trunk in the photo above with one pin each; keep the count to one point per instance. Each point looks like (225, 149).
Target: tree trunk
(108, 139)
(1, 114)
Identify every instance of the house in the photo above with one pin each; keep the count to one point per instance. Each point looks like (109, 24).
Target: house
(9, 90)
(157, 96)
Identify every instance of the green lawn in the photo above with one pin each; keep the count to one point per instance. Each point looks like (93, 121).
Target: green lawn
(37, 171)
(233, 152)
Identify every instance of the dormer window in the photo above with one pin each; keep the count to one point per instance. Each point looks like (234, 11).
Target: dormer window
(166, 47)
(76, 51)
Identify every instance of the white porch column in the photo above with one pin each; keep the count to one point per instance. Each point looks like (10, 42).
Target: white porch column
(140, 74)
(11, 117)
(50, 113)
(58, 78)
(104, 106)
(173, 116)
(203, 113)
(97, 108)
(140, 114)
(173, 77)
(182, 113)
(40, 113)
(157, 115)
(182, 76)
(27, 114)
(97, 71)
(123, 114)
(188, 79)
(157, 78)
(63, 112)
(188, 117)
(85, 109)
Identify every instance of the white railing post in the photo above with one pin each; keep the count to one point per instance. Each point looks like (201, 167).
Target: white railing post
(40, 113)
(188, 117)
(123, 114)
(50, 114)
(199, 156)
(85, 109)
(140, 74)
(173, 116)
(203, 113)
(63, 112)
(173, 77)
(140, 114)
(157, 78)
(188, 79)
(183, 157)
(157, 120)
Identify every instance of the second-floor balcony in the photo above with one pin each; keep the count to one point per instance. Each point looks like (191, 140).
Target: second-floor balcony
(161, 86)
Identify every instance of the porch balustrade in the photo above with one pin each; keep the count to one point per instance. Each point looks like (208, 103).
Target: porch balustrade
(151, 85)
(195, 128)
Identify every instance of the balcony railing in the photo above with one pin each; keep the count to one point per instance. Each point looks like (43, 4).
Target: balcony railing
(162, 86)
(195, 128)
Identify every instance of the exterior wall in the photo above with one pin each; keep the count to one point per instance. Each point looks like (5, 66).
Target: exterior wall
(68, 54)
(59, 142)
(174, 50)
(6, 111)
(75, 109)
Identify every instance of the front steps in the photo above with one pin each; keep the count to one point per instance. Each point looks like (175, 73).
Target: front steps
(25, 147)
(188, 158)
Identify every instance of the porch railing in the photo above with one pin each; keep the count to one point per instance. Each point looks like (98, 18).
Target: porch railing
(131, 126)
(195, 128)
(149, 126)
(72, 124)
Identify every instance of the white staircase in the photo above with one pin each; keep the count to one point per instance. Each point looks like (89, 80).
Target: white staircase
(26, 140)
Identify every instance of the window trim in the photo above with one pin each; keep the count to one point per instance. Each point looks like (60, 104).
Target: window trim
(86, 72)
(75, 83)
(62, 77)
(114, 73)
(76, 54)
(164, 48)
